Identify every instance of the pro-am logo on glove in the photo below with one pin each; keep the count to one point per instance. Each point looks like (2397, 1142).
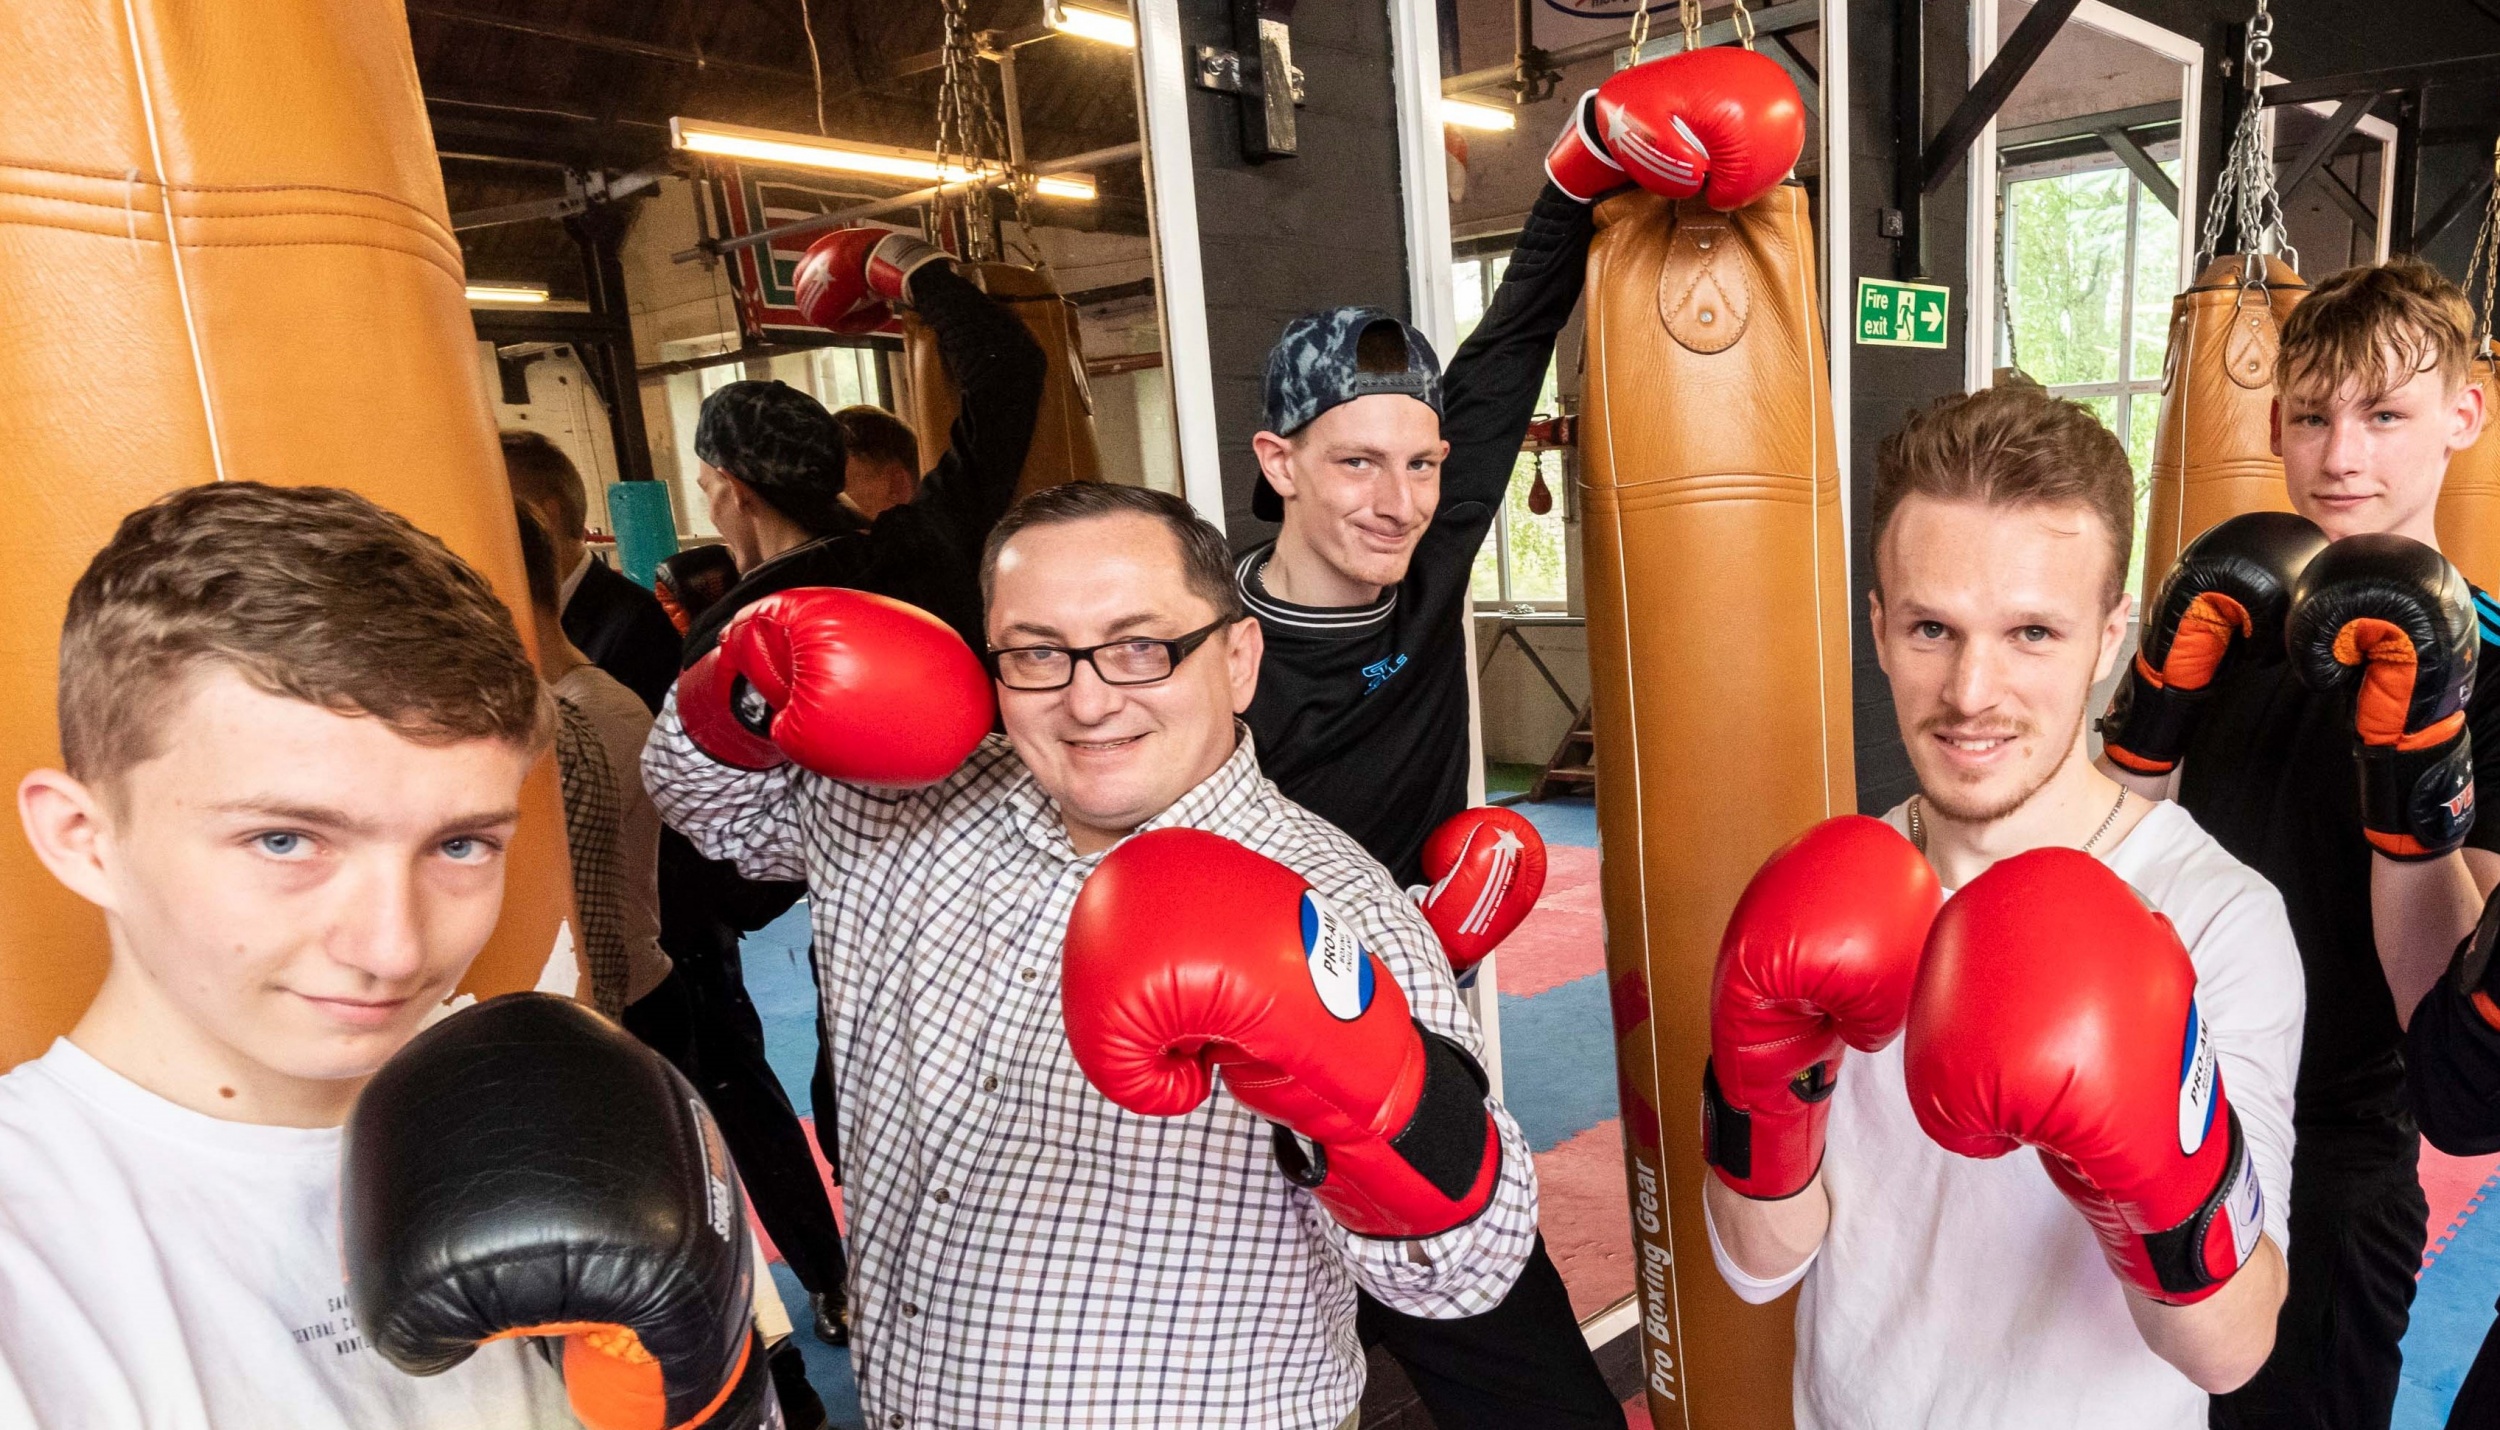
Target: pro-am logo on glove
(1340, 972)
(2199, 1073)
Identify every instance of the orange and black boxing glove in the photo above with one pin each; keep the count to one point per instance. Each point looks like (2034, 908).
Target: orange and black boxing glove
(2225, 601)
(2389, 621)
(525, 1168)
(688, 582)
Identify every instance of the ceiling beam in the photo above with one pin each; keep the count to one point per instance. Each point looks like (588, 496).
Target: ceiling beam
(2139, 163)
(606, 44)
(2470, 70)
(2348, 116)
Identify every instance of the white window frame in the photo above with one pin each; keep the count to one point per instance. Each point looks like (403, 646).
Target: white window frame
(1162, 83)
(2127, 386)
(1979, 317)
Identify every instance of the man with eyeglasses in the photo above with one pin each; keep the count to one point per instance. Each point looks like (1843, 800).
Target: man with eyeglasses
(1028, 1251)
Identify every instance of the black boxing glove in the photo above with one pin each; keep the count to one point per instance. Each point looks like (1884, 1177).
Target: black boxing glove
(526, 1168)
(690, 581)
(2390, 621)
(2224, 601)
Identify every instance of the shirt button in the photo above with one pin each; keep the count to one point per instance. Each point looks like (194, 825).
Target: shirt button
(939, 1196)
(894, 1419)
(909, 1309)
(1026, 975)
(989, 1084)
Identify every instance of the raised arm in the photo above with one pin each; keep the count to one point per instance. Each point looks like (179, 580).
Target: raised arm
(1490, 389)
(998, 371)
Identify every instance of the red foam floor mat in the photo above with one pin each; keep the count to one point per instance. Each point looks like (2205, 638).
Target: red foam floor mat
(1564, 936)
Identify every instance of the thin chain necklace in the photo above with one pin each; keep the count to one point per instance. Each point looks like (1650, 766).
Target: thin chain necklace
(1918, 826)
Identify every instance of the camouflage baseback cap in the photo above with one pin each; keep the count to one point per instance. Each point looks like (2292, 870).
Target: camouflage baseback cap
(1334, 356)
(780, 442)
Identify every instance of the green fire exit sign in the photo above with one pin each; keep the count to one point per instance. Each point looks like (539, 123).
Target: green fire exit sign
(1902, 315)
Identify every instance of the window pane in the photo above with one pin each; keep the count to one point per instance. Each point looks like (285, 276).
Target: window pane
(2156, 280)
(2143, 420)
(1535, 542)
(1485, 583)
(1467, 293)
(2066, 247)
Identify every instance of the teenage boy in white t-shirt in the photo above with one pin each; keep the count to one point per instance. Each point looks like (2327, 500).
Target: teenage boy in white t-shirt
(294, 730)
(1941, 1290)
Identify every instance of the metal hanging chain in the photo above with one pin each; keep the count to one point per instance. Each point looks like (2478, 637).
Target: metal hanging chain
(2482, 266)
(969, 138)
(1688, 15)
(2244, 185)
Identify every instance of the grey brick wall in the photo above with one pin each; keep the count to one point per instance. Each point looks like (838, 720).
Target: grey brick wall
(1289, 235)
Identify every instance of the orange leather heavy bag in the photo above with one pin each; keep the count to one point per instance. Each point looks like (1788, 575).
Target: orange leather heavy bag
(2213, 456)
(1719, 656)
(224, 255)
(2469, 501)
(1063, 434)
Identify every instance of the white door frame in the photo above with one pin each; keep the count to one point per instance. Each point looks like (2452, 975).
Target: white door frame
(1839, 267)
(1180, 270)
(1424, 203)
(1979, 316)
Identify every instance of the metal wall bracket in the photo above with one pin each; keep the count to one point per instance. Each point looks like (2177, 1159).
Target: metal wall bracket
(1264, 30)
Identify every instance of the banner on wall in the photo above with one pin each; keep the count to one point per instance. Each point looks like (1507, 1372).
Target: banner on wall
(760, 275)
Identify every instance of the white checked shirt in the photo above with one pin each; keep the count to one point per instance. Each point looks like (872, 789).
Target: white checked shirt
(1023, 1250)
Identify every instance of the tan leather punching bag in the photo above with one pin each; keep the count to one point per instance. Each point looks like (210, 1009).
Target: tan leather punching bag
(1718, 639)
(224, 255)
(1063, 435)
(2469, 501)
(2213, 456)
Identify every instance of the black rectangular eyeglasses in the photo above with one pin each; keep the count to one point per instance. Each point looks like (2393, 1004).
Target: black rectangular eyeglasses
(1135, 661)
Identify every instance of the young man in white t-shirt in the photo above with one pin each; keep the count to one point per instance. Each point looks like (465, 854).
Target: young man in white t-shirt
(1946, 1291)
(294, 730)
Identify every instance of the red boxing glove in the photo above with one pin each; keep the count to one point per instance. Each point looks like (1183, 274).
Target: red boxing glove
(1723, 123)
(1186, 952)
(850, 279)
(1578, 164)
(849, 685)
(1822, 950)
(2054, 1010)
(1487, 866)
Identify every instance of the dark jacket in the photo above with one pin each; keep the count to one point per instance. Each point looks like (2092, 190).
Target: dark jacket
(623, 630)
(928, 550)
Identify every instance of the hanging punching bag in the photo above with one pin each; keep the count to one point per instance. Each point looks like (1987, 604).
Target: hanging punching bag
(2469, 501)
(1718, 645)
(224, 255)
(2213, 455)
(1063, 447)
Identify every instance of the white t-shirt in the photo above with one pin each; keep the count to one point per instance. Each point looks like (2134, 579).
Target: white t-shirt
(1954, 1292)
(164, 1270)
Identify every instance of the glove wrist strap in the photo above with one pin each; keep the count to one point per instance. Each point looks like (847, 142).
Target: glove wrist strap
(1436, 1173)
(2416, 804)
(2192, 1260)
(2147, 727)
(1760, 1156)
